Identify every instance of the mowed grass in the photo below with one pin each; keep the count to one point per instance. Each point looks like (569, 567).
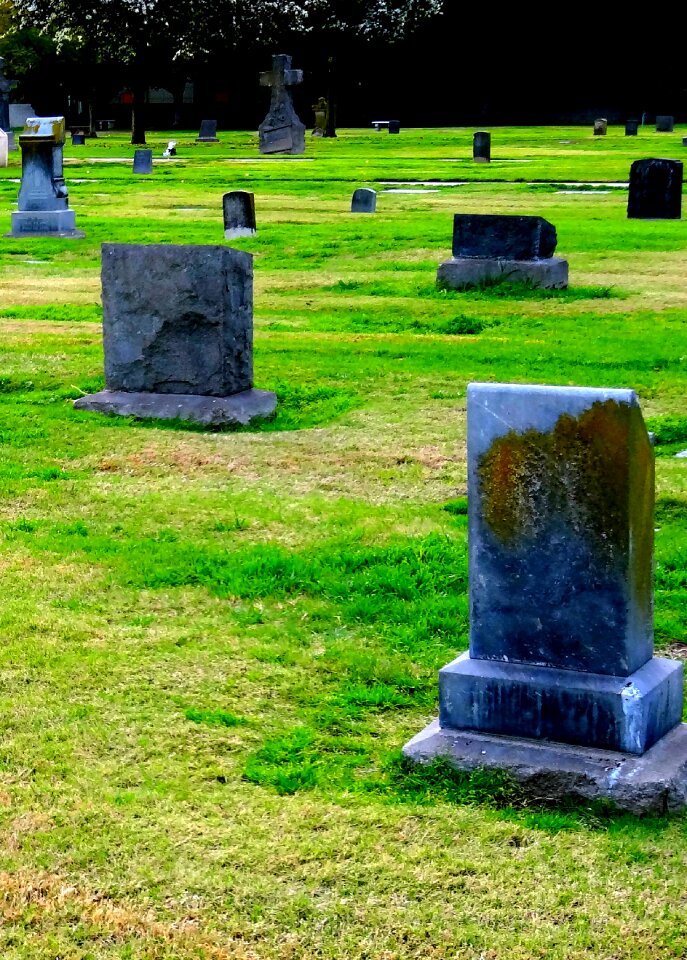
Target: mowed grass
(215, 644)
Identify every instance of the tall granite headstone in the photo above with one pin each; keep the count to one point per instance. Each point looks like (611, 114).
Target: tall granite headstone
(143, 162)
(364, 200)
(207, 132)
(481, 146)
(239, 214)
(631, 128)
(178, 335)
(43, 196)
(600, 127)
(655, 190)
(665, 124)
(560, 529)
(511, 248)
(281, 131)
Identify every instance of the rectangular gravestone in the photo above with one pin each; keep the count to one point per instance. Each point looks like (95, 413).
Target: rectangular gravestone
(631, 128)
(665, 124)
(600, 127)
(78, 139)
(481, 146)
(143, 161)
(178, 334)
(394, 126)
(655, 190)
(560, 531)
(207, 132)
(239, 214)
(364, 200)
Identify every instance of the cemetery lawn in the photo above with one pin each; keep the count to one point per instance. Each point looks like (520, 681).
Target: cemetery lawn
(215, 644)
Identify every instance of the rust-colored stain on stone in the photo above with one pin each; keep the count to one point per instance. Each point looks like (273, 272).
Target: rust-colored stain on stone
(577, 473)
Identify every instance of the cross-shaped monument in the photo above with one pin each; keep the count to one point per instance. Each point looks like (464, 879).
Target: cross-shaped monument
(281, 131)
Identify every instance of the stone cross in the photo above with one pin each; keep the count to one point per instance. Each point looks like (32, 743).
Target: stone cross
(281, 131)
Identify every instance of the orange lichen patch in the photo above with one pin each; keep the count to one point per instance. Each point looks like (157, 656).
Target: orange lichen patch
(578, 472)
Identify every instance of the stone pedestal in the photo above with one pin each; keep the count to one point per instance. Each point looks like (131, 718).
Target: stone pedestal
(560, 493)
(460, 273)
(178, 335)
(655, 190)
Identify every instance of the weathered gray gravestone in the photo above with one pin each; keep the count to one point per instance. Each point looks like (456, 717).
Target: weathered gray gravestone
(281, 131)
(600, 127)
(207, 132)
(178, 335)
(516, 249)
(631, 128)
(143, 161)
(364, 200)
(239, 214)
(655, 190)
(43, 207)
(481, 146)
(665, 124)
(560, 494)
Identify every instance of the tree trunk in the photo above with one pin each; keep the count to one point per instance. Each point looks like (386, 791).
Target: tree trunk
(138, 120)
(91, 122)
(330, 128)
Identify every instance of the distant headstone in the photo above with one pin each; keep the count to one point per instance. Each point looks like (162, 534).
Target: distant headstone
(512, 248)
(394, 126)
(655, 190)
(560, 533)
(600, 127)
(5, 88)
(178, 335)
(208, 132)
(78, 139)
(665, 124)
(43, 207)
(364, 200)
(239, 214)
(320, 110)
(684, 141)
(631, 128)
(281, 131)
(4, 149)
(481, 146)
(143, 161)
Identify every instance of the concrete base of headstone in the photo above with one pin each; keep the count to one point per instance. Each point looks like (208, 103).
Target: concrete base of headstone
(239, 232)
(591, 709)
(45, 223)
(654, 783)
(459, 273)
(207, 139)
(237, 410)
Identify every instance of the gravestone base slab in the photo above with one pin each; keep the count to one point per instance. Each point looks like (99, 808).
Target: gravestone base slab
(590, 709)
(44, 223)
(239, 409)
(547, 772)
(459, 273)
(207, 139)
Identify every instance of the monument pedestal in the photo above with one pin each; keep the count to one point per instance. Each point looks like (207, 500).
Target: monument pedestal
(653, 783)
(238, 410)
(458, 273)
(45, 223)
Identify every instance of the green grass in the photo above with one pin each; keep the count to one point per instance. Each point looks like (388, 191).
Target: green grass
(216, 643)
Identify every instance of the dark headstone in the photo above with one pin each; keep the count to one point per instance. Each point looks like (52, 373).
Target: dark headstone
(208, 132)
(178, 334)
(143, 161)
(481, 146)
(655, 190)
(600, 127)
(560, 531)
(239, 214)
(43, 195)
(364, 200)
(5, 88)
(78, 139)
(505, 237)
(665, 124)
(394, 126)
(281, 131)
(631, 128)
(684, 141)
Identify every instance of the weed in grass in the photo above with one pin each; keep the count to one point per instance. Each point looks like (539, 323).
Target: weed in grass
(214, 718)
